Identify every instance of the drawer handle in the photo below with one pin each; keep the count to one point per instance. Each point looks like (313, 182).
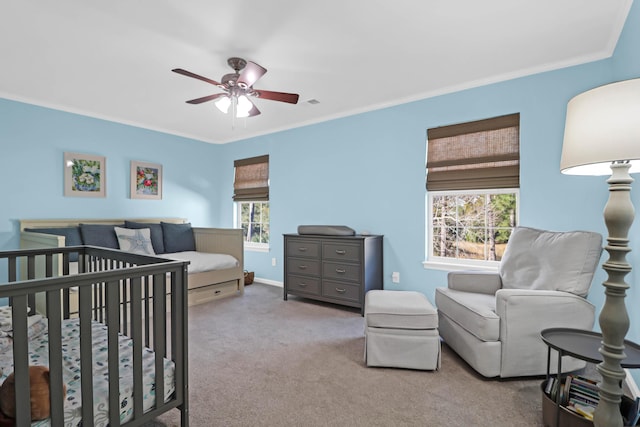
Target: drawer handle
(341, 251)
(302, 285)
(340, 290)
(340, 271)
(217, 292)
(302, 249)
(302, 267)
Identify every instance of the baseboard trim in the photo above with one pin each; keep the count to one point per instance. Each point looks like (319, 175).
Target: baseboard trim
(630, 382)
(269, 282)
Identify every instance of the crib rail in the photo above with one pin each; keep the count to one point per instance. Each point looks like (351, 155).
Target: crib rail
(142, 297)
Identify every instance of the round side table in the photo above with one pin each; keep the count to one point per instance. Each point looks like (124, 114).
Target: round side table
(582, 345)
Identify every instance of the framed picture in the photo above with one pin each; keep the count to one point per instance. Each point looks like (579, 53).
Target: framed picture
(85, 175)
(146, 181)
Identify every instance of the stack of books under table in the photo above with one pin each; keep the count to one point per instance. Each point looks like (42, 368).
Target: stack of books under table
(579, 395)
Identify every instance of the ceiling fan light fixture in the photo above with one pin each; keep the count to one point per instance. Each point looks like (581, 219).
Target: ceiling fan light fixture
(223, 104)
(243, 106)
(237, 87)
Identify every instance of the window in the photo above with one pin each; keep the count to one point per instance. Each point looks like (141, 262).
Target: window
(471, 225)
(251, 197)
(473, 180)
(253, 218)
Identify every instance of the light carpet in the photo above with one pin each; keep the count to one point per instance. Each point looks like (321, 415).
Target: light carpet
(257, 360)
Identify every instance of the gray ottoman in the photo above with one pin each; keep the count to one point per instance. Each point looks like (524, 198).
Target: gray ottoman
(401, 330)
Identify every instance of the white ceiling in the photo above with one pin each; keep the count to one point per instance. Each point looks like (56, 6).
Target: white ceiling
(113, 59)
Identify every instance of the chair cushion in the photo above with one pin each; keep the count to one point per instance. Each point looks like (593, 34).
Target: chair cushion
(548, 260)
(157, 238)
(475, 312)
(399, 310)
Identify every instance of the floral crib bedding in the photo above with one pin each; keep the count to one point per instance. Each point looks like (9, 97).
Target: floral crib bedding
(38, 350)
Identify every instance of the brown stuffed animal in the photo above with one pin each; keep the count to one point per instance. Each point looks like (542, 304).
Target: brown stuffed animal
(39, 385)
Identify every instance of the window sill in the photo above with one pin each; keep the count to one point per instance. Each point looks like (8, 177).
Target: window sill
(435, 265)
(256, 248)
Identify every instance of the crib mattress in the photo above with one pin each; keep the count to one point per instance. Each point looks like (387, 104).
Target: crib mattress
(38, 349)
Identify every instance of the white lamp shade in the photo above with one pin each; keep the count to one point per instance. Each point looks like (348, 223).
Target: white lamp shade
(244, 105)
(602, 126)
(223, 104)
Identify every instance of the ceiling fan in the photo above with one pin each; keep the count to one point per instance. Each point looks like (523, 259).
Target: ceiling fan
(238, 87)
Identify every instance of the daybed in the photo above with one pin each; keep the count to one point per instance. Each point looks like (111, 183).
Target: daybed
(205, 284)
(111, 353)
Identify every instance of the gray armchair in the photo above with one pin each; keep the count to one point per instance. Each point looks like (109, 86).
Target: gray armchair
(493, 320)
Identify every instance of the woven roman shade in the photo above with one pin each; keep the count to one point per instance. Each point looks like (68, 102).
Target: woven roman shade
(479, 155)
(251, 182)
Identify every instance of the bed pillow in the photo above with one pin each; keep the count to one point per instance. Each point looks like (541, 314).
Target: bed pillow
(71, 235)
(136, 240)
(157, 239)
(178, 237)
(102, 235)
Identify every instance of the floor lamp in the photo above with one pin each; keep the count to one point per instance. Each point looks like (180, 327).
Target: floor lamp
(602, 137)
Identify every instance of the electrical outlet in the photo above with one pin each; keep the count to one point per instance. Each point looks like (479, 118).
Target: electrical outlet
(395, 277)
(273, 262)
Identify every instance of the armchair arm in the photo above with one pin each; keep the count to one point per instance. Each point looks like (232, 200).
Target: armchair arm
(524, 313)
(484, 282)
(549, 309)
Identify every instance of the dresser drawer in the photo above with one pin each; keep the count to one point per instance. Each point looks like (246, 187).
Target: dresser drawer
(341, 271)
(303, 266)
(340, 290)
(309, 285)
(341, 251)
(303, 248)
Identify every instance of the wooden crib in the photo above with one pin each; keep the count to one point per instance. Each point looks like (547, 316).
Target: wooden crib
(113, 350)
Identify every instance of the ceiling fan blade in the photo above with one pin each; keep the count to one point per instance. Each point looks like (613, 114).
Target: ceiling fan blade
(195, 76)
(206, 98)
(254, 110)
(291, 98)
(251, 73)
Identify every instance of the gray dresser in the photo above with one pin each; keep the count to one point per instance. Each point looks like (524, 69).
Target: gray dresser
(333, 269)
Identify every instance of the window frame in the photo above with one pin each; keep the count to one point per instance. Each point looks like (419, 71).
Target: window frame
(237, 220)
(446, 263)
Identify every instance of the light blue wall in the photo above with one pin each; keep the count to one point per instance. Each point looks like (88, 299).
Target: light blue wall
(365, 171)
(33, 140)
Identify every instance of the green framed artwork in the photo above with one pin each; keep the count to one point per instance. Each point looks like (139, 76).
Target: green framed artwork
(146, 180)
(84, 175)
